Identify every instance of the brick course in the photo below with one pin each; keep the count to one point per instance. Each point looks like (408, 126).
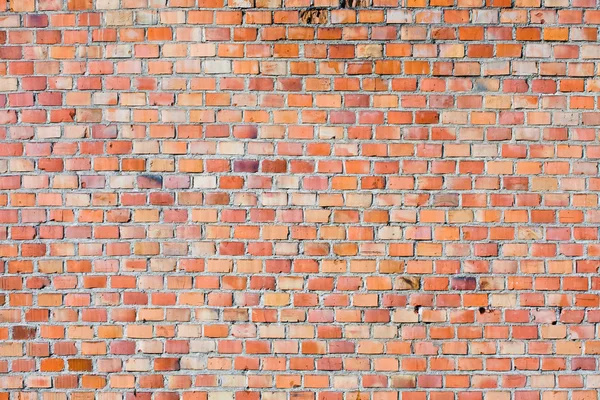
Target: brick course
(302, 200)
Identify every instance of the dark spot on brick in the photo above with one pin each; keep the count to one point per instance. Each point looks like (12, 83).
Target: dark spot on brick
(314, 16)
(36, 21)
(427, 117)
(354, 3)
(481, 86)
(245, 132)
(149, 181)
(38, 282)
(581, 363)
(278, 266)
(95, 182)
(138, 396)
(482, 310)
(463, 283)
(23, 333)
(417, 308)
(484, 285)
(246, 166)
(407, 283)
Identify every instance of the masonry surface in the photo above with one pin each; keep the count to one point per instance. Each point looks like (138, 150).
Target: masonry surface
(299, 200)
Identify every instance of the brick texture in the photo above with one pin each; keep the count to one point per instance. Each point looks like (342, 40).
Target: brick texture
(299, 200)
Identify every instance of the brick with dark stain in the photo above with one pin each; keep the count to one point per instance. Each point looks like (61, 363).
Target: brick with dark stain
(23, 332)
(484, 85)
(140, 396)
(245, 132)
(36, 21)
(149, 181)
(583, 364)
(38, 282)
(407, 283)
(463, 283)
(246, 166)
(93, 182)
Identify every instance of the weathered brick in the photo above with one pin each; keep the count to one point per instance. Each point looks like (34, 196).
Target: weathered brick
(341, 199)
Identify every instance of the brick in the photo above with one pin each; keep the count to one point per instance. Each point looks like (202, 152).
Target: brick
(262, 187)
(23, 5)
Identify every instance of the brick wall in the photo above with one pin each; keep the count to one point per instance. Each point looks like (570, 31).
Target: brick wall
(321, 200)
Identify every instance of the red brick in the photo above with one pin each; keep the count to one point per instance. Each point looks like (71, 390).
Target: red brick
(191, 186)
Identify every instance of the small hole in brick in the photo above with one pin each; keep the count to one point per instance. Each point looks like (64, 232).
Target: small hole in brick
(417, 308)
(314, 16)
(354, 3)
(554, 322)
(482, 310)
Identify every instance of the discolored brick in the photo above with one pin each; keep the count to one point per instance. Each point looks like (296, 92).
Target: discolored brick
(320, 200)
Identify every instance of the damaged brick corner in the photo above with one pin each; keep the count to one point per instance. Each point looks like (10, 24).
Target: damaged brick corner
(314, 16)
